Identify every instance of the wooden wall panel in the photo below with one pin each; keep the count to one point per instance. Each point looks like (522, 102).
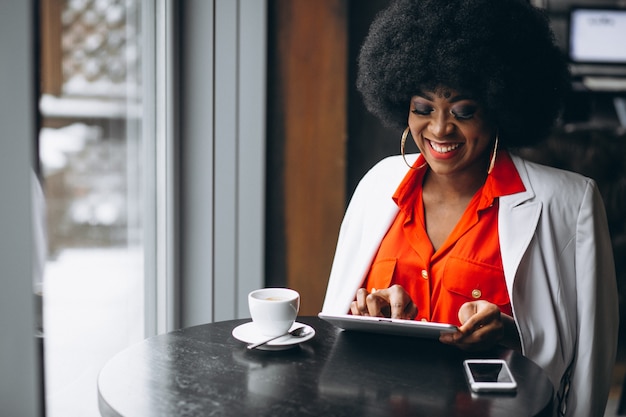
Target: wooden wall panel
(308, 95)
(50, 44)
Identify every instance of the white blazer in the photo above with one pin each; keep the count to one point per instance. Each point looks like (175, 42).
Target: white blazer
(558, 264)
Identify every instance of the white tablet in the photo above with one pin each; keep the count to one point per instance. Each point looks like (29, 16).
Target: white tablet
(384, 325)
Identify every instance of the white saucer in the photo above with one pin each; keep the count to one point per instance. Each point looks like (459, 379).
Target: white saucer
(248, 333)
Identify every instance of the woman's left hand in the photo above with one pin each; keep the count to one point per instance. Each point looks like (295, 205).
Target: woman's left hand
(482, 326)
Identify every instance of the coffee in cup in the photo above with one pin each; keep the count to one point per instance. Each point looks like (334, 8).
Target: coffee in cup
(273, 310)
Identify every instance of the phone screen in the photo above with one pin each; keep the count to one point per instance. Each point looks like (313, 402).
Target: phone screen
(489, 372)
(485, 375)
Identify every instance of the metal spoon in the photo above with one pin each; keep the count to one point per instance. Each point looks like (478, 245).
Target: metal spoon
(297, 332)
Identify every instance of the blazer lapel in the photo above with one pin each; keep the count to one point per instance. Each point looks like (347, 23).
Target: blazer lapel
(518, 217)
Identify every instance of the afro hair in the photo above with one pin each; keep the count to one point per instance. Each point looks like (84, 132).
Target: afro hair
(501, 52)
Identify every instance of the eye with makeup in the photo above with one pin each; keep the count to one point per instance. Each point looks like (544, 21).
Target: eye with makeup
(422, 109)
(465, 112)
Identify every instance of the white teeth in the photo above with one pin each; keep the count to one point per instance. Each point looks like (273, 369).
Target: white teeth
(444, 149)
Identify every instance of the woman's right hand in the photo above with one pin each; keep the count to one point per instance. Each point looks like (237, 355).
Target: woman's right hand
(393, 302)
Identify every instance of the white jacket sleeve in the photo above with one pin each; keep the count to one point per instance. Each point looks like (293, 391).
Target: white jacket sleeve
(368, 217)
(597, 311)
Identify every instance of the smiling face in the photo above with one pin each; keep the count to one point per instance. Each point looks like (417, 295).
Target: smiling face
(451, 131)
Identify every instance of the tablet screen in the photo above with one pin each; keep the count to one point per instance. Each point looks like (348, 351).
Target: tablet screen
(384, 325)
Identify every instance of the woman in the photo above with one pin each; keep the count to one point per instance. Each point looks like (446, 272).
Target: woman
(513, 252)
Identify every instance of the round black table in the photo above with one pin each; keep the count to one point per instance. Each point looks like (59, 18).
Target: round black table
(204, 371)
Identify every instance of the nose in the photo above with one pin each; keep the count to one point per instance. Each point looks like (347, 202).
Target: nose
(440, 125)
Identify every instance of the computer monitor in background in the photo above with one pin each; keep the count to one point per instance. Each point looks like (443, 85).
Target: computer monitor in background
(597, 36)
(597, 48)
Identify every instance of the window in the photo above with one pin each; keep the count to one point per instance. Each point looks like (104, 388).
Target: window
(92, 160)
(152, 151)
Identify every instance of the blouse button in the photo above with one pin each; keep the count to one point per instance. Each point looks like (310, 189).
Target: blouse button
(476, 293)
(424, 274)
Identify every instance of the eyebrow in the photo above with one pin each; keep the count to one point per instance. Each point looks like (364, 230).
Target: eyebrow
(454, 99)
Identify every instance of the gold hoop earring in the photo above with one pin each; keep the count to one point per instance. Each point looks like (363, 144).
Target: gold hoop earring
(492, 162)
(402, 142)
(405, 134)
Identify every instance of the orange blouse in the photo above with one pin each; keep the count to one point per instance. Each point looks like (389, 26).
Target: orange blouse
(467, 267)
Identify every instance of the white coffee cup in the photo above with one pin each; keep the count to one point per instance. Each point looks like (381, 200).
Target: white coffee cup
(273, 310)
